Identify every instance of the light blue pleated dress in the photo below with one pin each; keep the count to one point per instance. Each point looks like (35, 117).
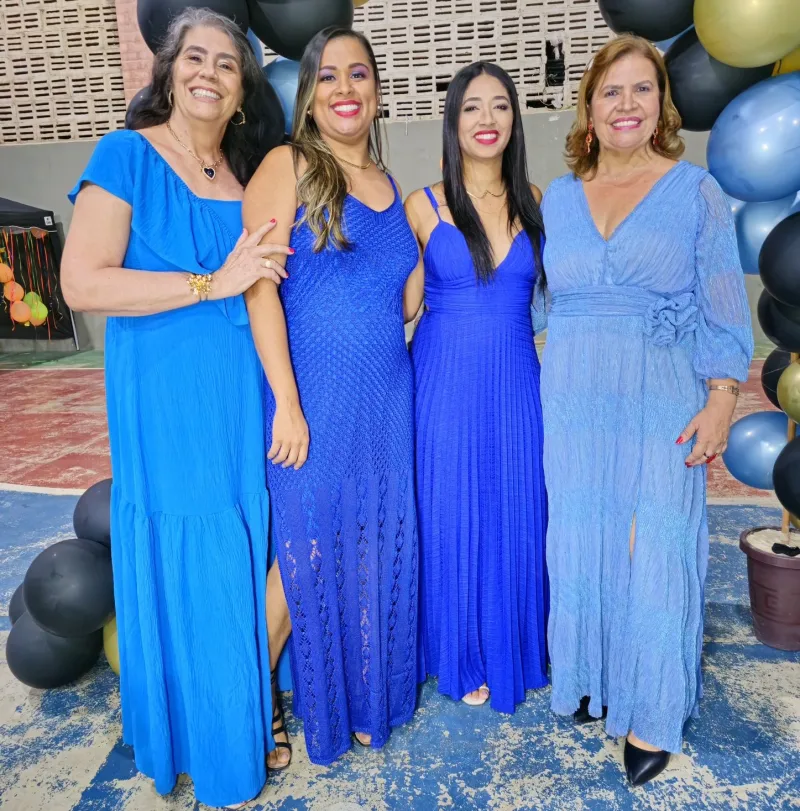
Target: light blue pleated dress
(189, 504)
(637, 324)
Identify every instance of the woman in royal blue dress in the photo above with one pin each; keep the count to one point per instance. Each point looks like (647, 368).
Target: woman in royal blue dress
(480, 489)
(339, 403)
(156, 243)
(648, 334)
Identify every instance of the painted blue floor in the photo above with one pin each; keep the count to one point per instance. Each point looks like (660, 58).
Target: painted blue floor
(61, 750)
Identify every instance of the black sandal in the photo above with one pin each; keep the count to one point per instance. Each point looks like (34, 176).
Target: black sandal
(277, 718)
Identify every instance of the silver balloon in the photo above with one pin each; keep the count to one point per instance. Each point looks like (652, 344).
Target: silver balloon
(754, 444)
(754, 222)
(754, 145)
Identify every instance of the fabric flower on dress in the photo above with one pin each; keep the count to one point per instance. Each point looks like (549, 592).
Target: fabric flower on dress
(668, 320)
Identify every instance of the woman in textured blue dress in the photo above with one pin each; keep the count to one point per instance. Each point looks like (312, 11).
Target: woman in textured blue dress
(648, 332)
(156, 243)
(339, 404)
(480, 489)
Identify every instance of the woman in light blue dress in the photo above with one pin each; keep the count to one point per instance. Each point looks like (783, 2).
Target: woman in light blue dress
(648, 332)
(156, 243)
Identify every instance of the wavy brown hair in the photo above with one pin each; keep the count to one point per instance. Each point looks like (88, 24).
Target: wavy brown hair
(322, 188)
(669, 143)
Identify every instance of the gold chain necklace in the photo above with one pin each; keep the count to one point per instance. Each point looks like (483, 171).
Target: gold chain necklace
(355, 165)
(209, 171)
(488, 191)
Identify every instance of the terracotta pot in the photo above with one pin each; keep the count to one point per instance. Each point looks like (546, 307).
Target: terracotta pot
(774, 593)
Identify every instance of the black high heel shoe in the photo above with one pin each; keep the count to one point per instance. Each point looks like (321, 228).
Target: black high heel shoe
(642, 766)
(277, 718)
(581, 715)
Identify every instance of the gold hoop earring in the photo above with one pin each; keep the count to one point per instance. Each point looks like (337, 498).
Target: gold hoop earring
(239, 123)
(589, 138)
(169, 98)
(655, 137)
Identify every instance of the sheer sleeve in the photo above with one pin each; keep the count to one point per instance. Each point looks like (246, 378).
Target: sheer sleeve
(540, 301)
(724, 337)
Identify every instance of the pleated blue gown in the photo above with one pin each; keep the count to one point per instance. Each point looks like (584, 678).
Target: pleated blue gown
(189, 510)
(638, 322)
(480, 488)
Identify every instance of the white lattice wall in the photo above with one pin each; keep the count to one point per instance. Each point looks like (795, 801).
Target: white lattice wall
(60, 70)
(420, 44)
(61, 74)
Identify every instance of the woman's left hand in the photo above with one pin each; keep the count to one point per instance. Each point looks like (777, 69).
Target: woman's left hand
(710, 427)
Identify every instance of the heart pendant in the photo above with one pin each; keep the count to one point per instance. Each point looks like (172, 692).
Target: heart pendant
(210, 172)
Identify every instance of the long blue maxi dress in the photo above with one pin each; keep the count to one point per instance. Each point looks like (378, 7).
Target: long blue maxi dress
(637, 324)
(345, 523)
(189, 511)
(480, 486)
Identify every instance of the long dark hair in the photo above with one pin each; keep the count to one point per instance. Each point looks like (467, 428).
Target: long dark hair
(322, 188)
(522, 207)
(243, 146)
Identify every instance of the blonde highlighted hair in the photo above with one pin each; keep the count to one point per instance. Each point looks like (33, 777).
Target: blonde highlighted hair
(669, 143)
(322, 187)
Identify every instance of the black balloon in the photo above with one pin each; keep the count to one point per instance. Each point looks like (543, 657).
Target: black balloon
(779, 260)
(16, 608)
(702, 86)
(780, 322)
(141, 98)
(69, 588)
(287, 26)
(155, 16)
(92, 516)
(771, 372)
(43, 660)
(651, 19)
(786, 477)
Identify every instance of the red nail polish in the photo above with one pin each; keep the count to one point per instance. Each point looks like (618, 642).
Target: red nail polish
(687, 464)
(292, 251)
(679, 440)
(272, 221)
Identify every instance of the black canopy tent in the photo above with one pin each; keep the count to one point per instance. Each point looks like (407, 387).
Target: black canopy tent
(30, 245)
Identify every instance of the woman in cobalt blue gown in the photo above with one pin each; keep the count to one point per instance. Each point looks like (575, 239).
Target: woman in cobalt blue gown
(153, 245)
(480, 488)
(339, 404)
(648, 334)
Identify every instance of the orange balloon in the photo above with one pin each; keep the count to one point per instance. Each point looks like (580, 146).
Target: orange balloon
(6, 274)
(13, 291)
(20, 312)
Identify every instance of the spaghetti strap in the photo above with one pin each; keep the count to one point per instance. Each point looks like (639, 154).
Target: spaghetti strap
(433, 201)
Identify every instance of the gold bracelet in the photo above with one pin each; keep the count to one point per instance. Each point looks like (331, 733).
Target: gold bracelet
(734, 390)
(200, 285)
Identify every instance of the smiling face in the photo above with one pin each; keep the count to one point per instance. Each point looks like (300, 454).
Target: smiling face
(486, 118)
(207, 76)
(346, 95)
(626, 104)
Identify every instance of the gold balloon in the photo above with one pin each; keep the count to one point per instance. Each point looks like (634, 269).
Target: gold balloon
(789, 391)
(748, 33)
(359, 3)
(794, 520)
(111, 645)
(788, 64)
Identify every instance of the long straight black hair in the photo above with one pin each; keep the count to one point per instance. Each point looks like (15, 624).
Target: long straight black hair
(522, 206)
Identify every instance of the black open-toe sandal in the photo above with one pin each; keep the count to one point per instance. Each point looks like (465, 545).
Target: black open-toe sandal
(278, 718)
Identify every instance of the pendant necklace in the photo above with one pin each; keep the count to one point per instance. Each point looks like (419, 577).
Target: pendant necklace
(210, 171)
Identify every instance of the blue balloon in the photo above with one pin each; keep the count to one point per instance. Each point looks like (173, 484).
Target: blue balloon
(754, 444)
(257, 46)
(754, 146)
(736, 205)
(282, 75)
(663, 45)
(754, 222)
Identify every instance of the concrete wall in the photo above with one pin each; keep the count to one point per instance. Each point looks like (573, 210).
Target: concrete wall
(41, 175)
